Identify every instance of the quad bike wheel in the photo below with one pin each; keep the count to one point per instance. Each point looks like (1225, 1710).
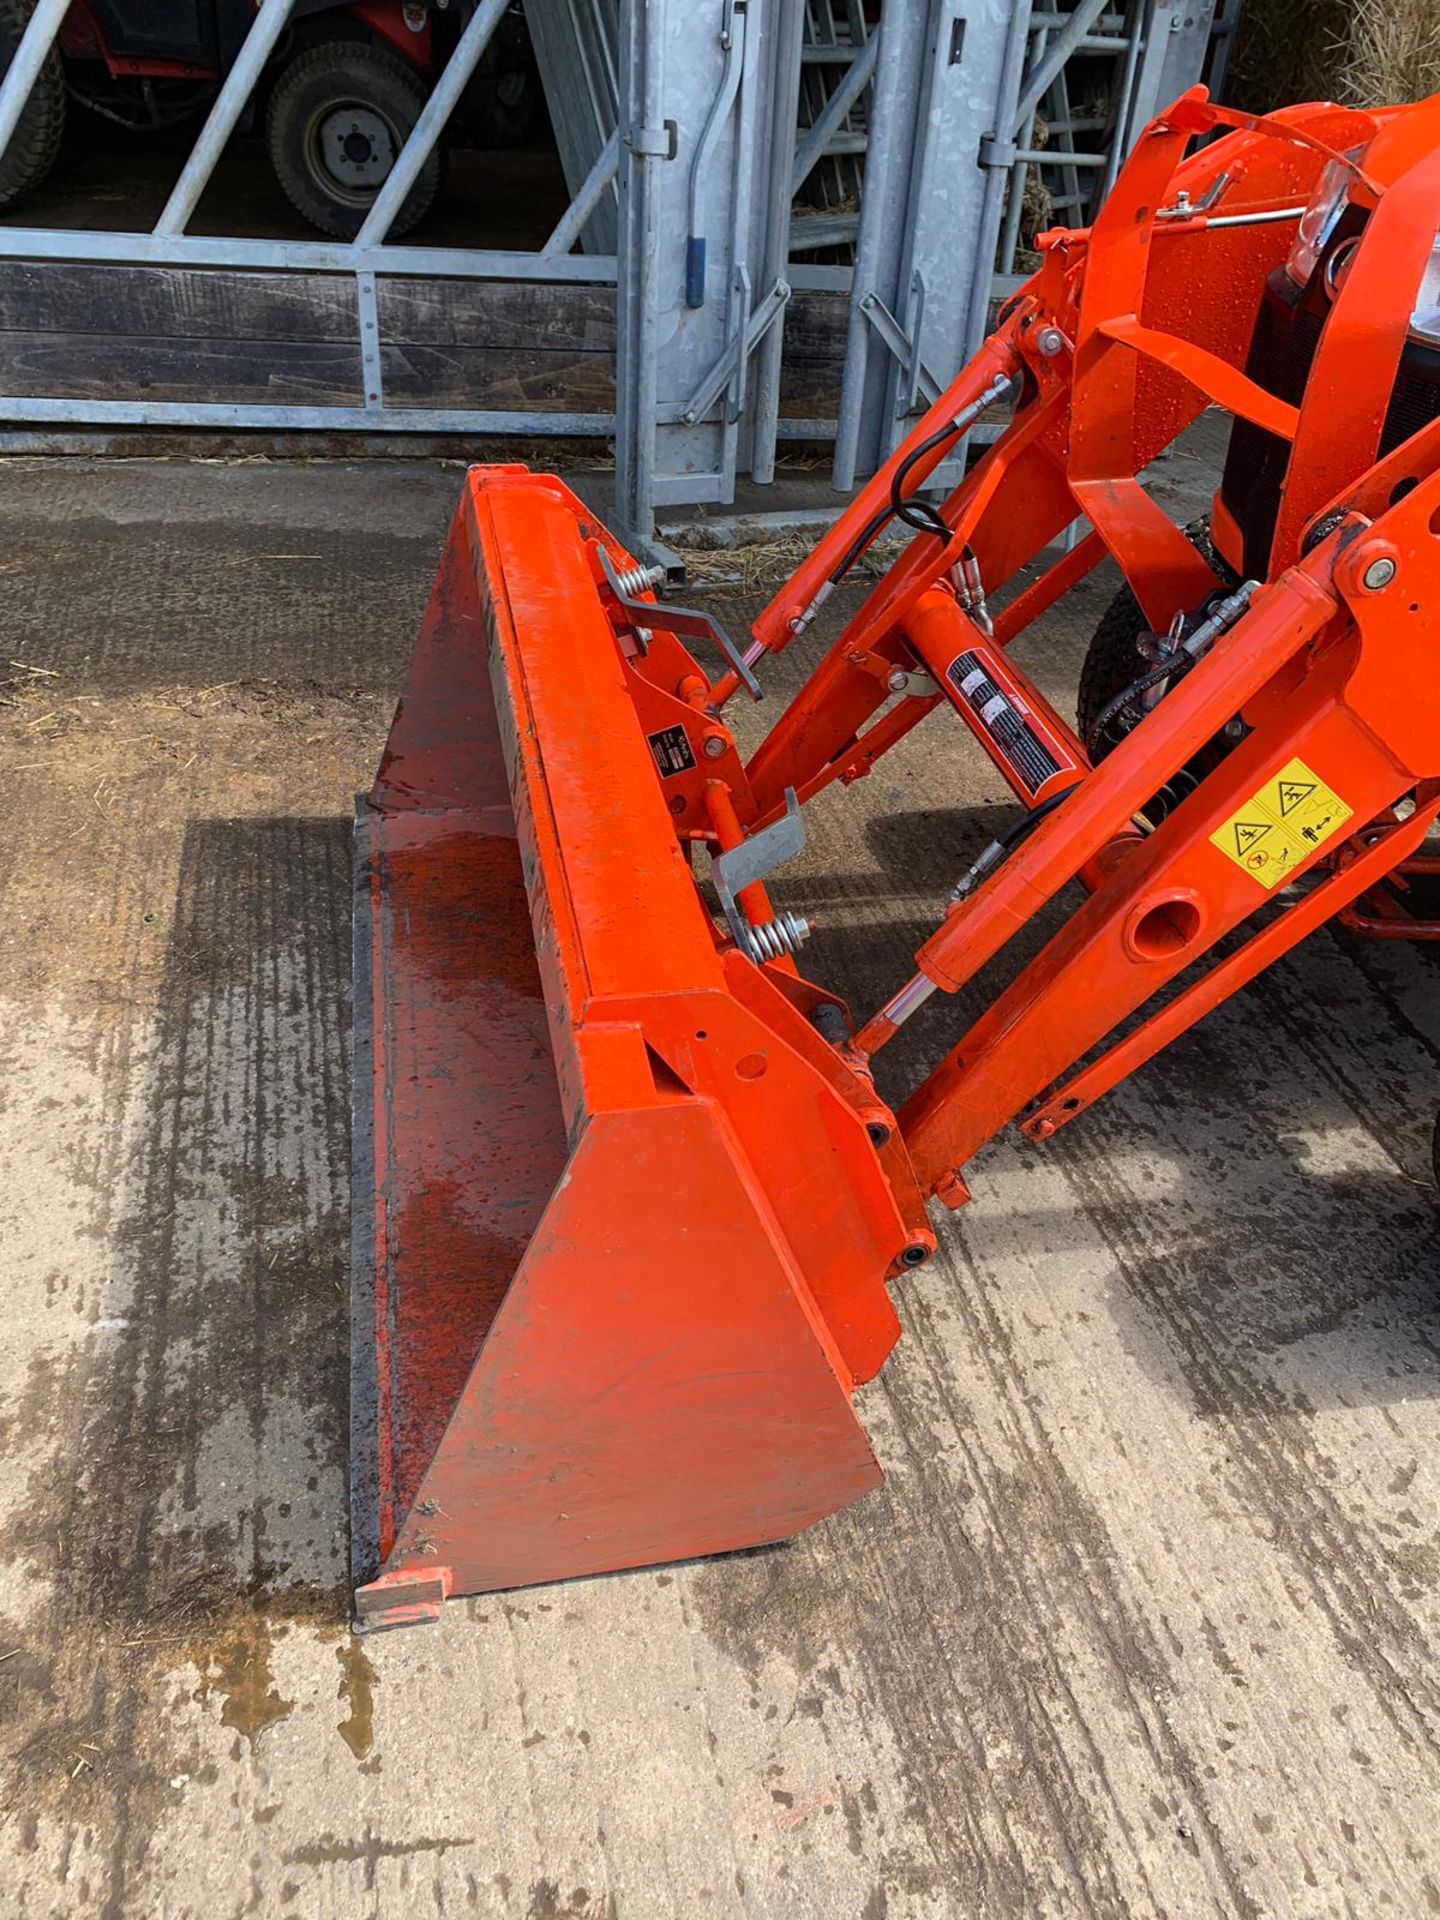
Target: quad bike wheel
(1115, 660)
(32, 151)
(338, 117)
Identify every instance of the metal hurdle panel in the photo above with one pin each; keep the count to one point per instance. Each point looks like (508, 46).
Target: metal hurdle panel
(364, 263)
(692, 126)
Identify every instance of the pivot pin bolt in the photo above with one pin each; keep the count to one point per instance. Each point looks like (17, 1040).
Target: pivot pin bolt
(1379, 573)
(715, 745)
(1049, 341)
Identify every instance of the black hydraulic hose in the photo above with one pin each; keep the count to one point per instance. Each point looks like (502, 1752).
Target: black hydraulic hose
(1220, 615)
(1177, 663)
(1005, 844)
(915, 513)
(1022, 828)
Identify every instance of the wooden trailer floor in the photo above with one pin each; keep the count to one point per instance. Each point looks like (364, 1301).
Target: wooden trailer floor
(1145, 1619)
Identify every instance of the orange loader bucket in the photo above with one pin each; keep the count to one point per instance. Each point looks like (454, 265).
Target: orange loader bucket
(622, 1231)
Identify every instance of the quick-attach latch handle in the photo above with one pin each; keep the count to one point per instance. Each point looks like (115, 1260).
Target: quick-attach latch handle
(742, 866)
(688, 622)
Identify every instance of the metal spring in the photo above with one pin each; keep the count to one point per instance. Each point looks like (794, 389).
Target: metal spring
(774, 938)
(638, 580)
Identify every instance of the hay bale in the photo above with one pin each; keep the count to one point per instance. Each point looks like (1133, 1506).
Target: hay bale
(1363, 52)
(1392, 51)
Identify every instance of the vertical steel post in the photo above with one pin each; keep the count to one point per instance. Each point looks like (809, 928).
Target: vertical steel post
(637, 291)
(992, 204)
(785, 36)
(1177, 40)
(741, 291)
(882, 221)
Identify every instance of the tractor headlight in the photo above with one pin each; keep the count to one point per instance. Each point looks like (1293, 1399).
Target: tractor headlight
(1317, 223)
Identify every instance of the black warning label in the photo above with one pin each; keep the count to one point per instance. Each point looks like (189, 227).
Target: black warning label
(1249, 834)
(671, 748)
(1293, 794)
(1005, 721)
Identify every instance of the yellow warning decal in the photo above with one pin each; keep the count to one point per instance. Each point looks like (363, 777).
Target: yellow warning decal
(1278, 828)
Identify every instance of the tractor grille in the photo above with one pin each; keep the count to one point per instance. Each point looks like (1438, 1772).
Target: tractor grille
(1416, 399)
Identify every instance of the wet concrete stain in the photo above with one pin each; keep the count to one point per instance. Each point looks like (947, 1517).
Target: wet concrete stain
(548, 1901)
(237, 1667)
(370, 1849)
(166, 1525)
(357, 1688)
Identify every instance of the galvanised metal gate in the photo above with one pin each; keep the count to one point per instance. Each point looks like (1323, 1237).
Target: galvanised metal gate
(731, 163)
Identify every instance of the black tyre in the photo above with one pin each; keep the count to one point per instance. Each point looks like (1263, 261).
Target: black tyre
(32, 151)
(1114, 661)
(337, 120)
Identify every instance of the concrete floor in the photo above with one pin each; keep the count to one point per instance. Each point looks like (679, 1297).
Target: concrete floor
(1145, 1619)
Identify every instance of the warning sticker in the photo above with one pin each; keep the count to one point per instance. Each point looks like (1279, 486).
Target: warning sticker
(672, 751)
(1278, 828)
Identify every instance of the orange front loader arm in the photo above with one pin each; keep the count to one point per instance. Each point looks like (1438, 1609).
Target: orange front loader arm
(630, 1201)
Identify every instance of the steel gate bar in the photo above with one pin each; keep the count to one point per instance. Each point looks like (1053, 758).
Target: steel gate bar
(256, 48)
(479, 31)
(576, 217)
(366, 259)
(36, 41)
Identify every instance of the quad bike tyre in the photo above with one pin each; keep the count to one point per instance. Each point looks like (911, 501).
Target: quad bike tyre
(32, 152)
(337, 119)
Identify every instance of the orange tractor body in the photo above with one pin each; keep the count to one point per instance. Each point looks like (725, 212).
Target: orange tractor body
(629, 1206)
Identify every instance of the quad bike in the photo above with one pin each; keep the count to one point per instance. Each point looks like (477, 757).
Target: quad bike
(345, 87)
(630, 1205)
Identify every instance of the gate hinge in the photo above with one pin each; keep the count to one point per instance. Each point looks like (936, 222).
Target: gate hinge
(659, 143)
(995, 152)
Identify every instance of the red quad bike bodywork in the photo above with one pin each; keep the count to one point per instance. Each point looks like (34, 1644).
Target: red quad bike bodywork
(628, 1204)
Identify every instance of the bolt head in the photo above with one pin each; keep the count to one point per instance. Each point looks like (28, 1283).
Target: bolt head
(1379, 573)
(1049, 341)
(715, 745)
(898, 680)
